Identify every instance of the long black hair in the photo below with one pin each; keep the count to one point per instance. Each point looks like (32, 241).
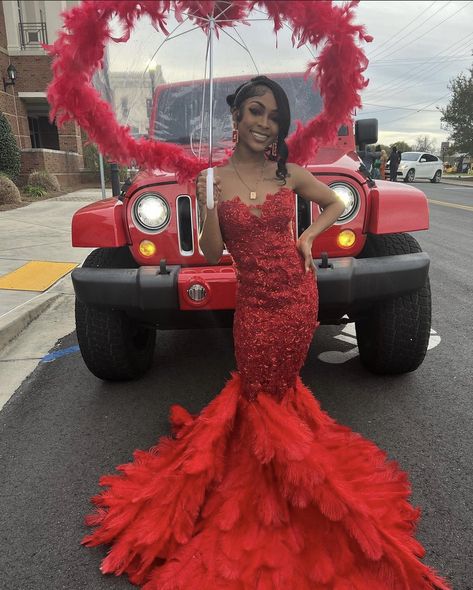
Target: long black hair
(253, 88)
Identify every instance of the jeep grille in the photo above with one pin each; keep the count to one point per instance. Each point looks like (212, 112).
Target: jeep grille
(184, 225)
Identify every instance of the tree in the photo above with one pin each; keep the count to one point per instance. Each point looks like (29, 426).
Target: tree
(10, 156)
(457, 116)
(425, 143)
(402, 146)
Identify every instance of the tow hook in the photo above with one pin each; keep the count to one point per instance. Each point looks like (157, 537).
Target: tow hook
(325, 263)
(162, 267)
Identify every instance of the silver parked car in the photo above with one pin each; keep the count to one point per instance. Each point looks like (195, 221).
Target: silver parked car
(414, 165)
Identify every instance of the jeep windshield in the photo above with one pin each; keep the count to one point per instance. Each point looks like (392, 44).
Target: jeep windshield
(179, 118)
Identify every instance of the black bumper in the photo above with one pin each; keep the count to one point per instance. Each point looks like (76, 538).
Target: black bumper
(347, 284)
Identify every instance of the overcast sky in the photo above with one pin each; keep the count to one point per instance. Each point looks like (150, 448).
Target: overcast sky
(418, 47)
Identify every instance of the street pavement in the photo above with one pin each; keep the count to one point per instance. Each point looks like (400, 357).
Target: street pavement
(63, 428)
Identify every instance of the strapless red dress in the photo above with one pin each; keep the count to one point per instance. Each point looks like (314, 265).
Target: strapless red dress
(263, 490)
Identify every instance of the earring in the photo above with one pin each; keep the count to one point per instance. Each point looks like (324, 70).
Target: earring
(235, 135)
(274, 149)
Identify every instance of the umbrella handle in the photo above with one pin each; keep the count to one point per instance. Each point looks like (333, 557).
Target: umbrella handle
(210, 188)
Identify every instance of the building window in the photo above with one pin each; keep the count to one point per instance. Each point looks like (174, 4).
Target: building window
(32, 35)
(43, 134)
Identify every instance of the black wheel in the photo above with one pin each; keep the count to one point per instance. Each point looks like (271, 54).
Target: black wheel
(114, 346)
(410, 175)
(393, 337)
(437, 176)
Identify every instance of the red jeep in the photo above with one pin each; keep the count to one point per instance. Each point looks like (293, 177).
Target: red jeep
(148, 272)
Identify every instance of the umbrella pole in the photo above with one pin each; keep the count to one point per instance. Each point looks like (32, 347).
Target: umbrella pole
(211, 86)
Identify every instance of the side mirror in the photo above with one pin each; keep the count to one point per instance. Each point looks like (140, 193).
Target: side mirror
(422, 160)
(366, 132)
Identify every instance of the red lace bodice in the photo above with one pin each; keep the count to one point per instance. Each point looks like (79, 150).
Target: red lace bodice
(277, 302)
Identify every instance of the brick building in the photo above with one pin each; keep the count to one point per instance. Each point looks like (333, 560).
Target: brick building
(24, 25)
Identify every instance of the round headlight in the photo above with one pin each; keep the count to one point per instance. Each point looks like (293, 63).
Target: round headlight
(350, 198)
(151, 212)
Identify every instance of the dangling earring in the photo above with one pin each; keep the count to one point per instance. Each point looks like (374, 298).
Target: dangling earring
(274, 149)
(235, 135)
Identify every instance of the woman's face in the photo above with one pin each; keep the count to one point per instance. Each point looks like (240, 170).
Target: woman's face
(259, 125)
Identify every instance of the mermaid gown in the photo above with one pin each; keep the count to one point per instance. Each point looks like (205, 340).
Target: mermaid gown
(262, 490)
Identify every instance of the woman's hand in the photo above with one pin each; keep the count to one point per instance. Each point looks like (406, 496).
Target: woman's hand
(304, 245)
(201, 189)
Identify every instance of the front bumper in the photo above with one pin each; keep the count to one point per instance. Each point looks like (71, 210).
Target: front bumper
(346, 285)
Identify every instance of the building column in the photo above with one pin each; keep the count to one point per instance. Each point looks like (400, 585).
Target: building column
(70, 138)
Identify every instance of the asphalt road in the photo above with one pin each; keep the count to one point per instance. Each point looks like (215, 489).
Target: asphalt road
(63, 428)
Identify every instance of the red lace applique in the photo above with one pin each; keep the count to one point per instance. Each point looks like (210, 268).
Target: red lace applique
(277, 302)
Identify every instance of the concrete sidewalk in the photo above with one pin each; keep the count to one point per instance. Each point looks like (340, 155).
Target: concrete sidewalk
(38, 232)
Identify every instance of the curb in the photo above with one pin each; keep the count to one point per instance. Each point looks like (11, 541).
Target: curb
(17, 319)
(457, 181)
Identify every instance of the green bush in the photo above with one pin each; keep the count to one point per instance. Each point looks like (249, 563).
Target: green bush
(9, 151)
(37, 192)
(9, 192)
(91, 162)
(43, 179)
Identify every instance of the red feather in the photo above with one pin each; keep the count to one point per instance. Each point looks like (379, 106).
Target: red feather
(79, 50)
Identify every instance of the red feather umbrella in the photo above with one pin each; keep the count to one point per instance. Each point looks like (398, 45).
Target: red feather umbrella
(79, 52)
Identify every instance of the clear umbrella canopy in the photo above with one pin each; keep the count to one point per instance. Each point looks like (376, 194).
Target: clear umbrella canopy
(160, 86)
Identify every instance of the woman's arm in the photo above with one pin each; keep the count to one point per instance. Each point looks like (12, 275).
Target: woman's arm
(311, 189)
(210, 237)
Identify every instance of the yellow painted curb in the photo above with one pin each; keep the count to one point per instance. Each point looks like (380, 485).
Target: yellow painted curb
(36, 275)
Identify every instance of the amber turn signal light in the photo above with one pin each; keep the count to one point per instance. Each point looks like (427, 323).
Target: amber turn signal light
(346, 238)
(147, 248)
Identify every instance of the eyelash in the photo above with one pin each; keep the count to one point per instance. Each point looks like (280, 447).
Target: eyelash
(257, 112)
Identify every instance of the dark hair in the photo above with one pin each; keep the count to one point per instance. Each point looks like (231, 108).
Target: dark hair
(253, 88)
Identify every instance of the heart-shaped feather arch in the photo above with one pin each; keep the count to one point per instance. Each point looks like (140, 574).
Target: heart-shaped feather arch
(79, 51)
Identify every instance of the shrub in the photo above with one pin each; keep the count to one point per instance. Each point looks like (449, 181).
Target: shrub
(9, 192)
(36, 192)
(43, 179)
(91, 162)
(9, 151)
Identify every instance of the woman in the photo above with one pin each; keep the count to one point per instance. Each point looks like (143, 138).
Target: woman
(263, 490)
(382, 166)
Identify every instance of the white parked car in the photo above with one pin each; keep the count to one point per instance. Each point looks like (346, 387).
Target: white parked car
(415, 165)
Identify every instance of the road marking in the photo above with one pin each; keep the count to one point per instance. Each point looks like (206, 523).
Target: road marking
(348, 334)
(454, 205)
(36, 275)
(52, 356)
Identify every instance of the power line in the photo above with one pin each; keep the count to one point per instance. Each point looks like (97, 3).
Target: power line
(400, 82)
(390, 108)
(418, 111)
(421, 69)
(408, 60)
(437, 25)
(393, 39)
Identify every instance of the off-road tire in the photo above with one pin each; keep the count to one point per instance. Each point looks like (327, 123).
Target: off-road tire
(437, 177)
(114, 346)
(410, 176)
(394, 335)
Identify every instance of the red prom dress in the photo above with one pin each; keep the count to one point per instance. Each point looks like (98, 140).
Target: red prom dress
(262, 490)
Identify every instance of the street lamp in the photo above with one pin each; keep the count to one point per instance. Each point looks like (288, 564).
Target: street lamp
(11, 73)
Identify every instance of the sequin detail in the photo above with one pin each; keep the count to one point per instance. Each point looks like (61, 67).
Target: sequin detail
(277, 301)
